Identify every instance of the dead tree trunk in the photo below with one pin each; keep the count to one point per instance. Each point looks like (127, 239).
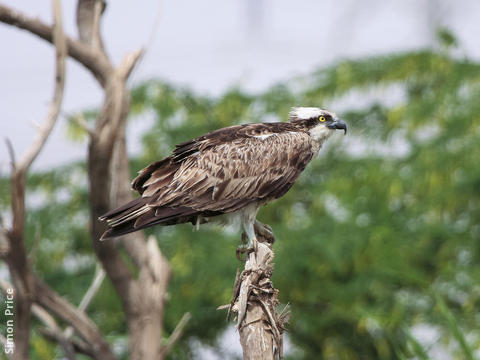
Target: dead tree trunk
(255, 302)
(142, 289)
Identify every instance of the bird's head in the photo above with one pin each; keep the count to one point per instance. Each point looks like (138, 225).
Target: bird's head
(318, 122)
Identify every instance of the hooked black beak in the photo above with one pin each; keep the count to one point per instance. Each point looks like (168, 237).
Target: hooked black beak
(338, 124)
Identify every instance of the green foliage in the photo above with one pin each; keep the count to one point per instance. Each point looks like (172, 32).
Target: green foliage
(386, 217)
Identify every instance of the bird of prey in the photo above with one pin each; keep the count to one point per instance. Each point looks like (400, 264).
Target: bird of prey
(230, 172)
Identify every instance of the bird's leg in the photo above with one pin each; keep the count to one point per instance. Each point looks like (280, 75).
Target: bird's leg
(242, 249)
(252, 238)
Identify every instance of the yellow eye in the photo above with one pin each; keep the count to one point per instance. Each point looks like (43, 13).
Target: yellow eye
(322, 118)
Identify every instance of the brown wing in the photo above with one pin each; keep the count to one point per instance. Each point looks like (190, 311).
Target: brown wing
(218, 173)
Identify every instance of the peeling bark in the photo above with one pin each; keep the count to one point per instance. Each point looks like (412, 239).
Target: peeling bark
(255, 302)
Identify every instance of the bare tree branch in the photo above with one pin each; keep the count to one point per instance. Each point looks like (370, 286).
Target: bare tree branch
(83, 53)
(79, 119)
(93, 289)
(129, 62)
(11, 153)
(17, 256)
(88, 22)
(56, 102)
(54, 330)
(148, 44)
(176, 334)
(77, 345)
(44, 130)
(87, 298)
(82, 324)
(54, 333)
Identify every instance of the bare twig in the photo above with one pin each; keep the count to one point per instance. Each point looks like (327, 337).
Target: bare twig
(92, 290)
(129, 62)
(82, 324)
(79, 119)
(150, 40)
(77, 345)
(54, 331)
(83, 53)
(11, 153)
(54, 108)
(89, 295)
(176, 334)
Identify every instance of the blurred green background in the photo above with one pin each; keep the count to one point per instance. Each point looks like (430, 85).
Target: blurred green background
(378, 242)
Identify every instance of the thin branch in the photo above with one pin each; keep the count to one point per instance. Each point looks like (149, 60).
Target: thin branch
(53, 329)
(129, 62)
(80, 120)
(11, 153)
(93, 289)
(83, 325)
(89, 295)
(54, 333)
(151, 39)
(68, 348)
(83, 53)
(77, 344)
(54, 108)
(176, 334)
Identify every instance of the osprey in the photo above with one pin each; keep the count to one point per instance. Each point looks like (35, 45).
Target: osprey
(231, 171)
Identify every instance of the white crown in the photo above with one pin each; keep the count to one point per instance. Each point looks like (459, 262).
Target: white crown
(305, 112)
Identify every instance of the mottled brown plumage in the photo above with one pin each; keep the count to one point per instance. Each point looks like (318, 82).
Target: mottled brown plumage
(233, 170)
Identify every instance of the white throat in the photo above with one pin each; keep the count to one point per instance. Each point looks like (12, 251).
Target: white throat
(319, 134)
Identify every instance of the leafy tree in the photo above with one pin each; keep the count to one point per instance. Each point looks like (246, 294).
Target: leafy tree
(381, 234)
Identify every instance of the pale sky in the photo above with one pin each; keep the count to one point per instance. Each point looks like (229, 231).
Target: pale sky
(211, 46)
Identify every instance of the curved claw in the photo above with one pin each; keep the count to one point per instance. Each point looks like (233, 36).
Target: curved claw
(264, 231)
(242, 249)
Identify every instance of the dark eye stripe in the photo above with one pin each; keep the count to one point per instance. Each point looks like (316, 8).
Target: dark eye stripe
(327, 117)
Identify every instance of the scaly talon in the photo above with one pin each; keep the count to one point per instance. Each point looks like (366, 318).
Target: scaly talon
(241, 249)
